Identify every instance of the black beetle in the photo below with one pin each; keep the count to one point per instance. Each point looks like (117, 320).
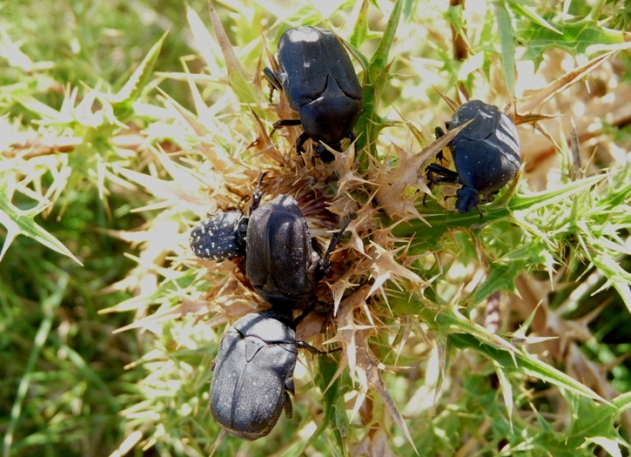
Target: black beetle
(220, 237)
(280, 260)
(253, 374)
(485, 153)
(320, 83)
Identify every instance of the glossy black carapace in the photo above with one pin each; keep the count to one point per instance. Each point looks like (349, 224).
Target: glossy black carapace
(485, 153)
(318, 79)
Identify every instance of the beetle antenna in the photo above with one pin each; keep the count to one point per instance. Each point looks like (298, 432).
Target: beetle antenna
(335, 240)
(313, 350)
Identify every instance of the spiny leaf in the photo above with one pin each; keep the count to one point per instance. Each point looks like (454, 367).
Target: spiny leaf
(531, 14)
(334, 408)
(238, 78)
(375, 79)
(507, 390)
(535, 99)
(502, 276)
(360, 30)
(507, 46)
(19, 222)
(576, 38)
(207, 47)
(131, 91)
(525, 364)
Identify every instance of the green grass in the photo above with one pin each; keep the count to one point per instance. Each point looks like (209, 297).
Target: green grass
(505, 334)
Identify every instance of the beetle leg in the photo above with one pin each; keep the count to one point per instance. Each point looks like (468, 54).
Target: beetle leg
(286, 122)
(445, 174)
(308, 347)
(439, 132)
(442, 171)
(314, 351)
(325, 155)
(304, 314)
(324, 265)
(424, 203)
(302, 139)
(289, 385)
(488, 198)
(288, 406)
(444, 180)
(273, 80)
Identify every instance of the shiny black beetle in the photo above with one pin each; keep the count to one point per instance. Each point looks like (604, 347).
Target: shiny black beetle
(280, 260)
(253, 374)
(485, 153)
(320, 83)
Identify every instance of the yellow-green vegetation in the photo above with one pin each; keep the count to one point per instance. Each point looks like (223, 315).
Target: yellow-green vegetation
(498, 332)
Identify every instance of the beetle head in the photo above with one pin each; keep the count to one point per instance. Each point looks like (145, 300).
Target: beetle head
(329, 119)
(325, 155)
(468, 197)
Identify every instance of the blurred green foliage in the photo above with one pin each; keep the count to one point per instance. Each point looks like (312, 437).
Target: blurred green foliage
(76, 217)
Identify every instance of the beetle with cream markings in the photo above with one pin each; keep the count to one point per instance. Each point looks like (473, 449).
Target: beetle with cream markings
(220, 237)
(318, 79)
(485, 153)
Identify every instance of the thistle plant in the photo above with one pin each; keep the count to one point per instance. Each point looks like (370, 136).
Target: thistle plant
(498, 332)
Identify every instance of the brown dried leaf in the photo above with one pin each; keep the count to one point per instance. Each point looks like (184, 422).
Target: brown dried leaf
(263, 142)
(529, 118)
(534, 99)
(198, 307)
(452, 104)
(392, 183)
(373, 444)
(370, 369)
(347, 329)
(385, 267)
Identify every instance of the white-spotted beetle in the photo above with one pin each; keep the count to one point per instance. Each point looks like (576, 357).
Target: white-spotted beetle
(485, 153)
(320, 83)
(253, 373)
(220, 237)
